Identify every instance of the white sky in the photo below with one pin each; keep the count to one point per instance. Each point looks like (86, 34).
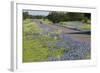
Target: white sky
(44, 13)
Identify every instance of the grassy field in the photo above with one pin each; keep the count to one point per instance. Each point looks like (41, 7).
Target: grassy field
(35, 45)
(38, 46)
(77, 25)
(86, 27)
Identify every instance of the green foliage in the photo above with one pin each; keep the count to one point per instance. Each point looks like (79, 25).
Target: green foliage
(86, 27)
(31, 28)
(26, 21)
(88, 55)
(72, 16)
(58, 53)
(36, 17)
(88, 16)
(25, 15)
(56, 17)
(46, 21)
(63, 23)
(33, 49)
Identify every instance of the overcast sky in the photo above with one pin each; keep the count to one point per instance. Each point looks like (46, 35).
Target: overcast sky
(43, 13)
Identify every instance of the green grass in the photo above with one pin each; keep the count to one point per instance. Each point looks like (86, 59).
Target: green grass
(58, 53)
(63, 23)
(31, 28)
(86, 27)
(35, 45)
(33, 49)
(26, 21)
(46, 21)
(88, 55)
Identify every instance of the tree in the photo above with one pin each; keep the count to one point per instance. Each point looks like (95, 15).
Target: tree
(25, 15)
(88, 15)
(75, 16)
(56, 17)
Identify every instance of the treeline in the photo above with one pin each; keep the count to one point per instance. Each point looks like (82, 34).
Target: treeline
(68, 16)
(57, 17)
(26, 15)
